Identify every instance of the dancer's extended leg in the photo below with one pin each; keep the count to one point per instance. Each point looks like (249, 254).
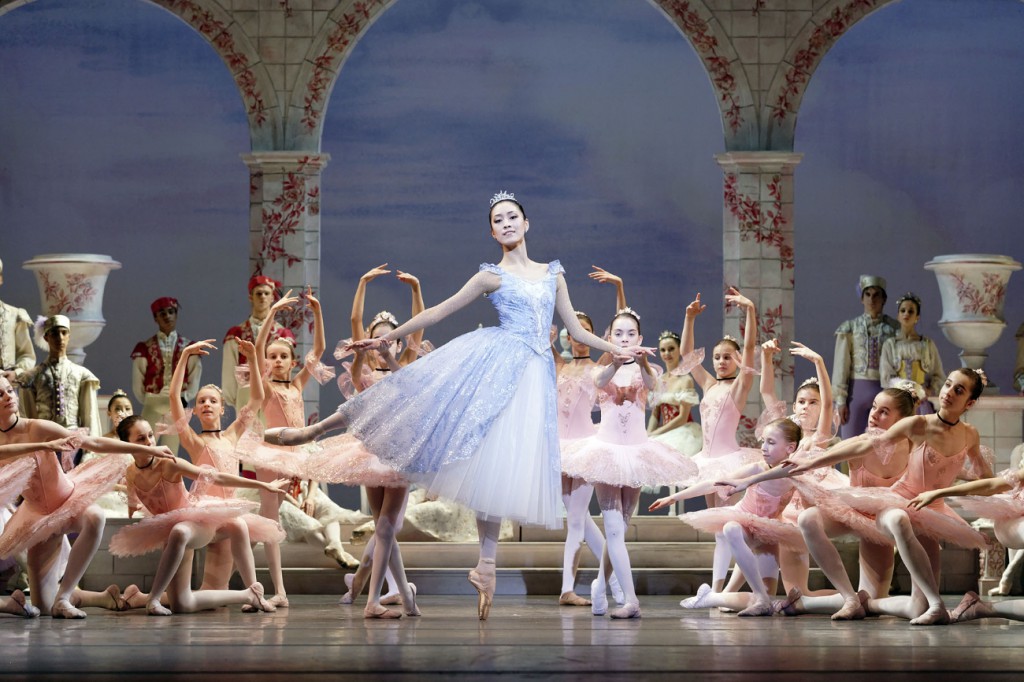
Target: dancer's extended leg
(579, 526)
(617, 506)
(484, 576)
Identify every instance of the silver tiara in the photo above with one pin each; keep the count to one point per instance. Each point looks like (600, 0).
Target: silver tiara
(503, 196)
(628, 311)
(813, 381)
(383, 316)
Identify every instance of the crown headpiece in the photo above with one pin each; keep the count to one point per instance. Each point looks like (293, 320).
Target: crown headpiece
(912, 387)
(628, 311)
(730, 337)
(812, 381)
(909, 296)
(119, 393)
(668, 334)
(503, 196)
(381, 317)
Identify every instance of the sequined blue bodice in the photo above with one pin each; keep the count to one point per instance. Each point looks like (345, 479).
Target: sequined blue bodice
(525, 307)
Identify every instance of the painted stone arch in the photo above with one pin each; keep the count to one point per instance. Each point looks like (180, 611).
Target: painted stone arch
(229, 41)
(823, 29)
(352, 18)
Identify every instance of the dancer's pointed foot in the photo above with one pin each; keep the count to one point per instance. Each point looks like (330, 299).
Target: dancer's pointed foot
(409, 602)
(484, 579)
(699, 600)
(279, 600)
(257, 601)
(617, 594)
(155, 608)
(62, 608)
(115, 601)
(336, 551)
(133, 598)
(935, 615)
(1000, 590)
(348, 597)
(629, 610)
(598, 599)
(757, 609)
(378, 611)
(971, 607)
(284, 435)
(570, 598)
(852, 609)
(791, 605)
(17, 605)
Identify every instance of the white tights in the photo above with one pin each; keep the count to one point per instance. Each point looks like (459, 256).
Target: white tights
(617, 507)
(580, 526)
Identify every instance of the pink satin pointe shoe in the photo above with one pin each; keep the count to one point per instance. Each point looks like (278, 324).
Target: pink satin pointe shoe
(258, 603)
(484, 582)
(379, 611)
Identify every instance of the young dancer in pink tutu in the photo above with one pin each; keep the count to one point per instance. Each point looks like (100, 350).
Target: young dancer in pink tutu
(1001, 499)
(56, 503)
(620, 458)
(941, 444)
(180, 524)
(346, 460)
(577, 395)
(725, 394)
(753, 530)
(475, 420)
(215, 446)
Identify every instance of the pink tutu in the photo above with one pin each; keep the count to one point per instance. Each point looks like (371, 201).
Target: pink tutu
(937, 521)
(715, 468)
(767, 533)
(284, 461)
(31, 525)
(13, 478)
(649, 463)
(996, 507)
(835, 509)
(344, 459)
(150, 534)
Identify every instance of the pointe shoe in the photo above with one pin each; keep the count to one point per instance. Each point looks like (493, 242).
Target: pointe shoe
(617, 594)
(757, 609)
(258, 603)
(570, 598)
(852, 609)
(379, 611)
(23, 608)
(598, 600)
(155, 608)
(788, 606)
(336, 551)
(699, 600)
(62, 608)
(117, 601)
(279, 601)
(629, 610)
(970, 607)
(283, 435)
(485, 584)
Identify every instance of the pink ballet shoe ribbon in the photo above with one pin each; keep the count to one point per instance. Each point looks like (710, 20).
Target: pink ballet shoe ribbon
(320, 372)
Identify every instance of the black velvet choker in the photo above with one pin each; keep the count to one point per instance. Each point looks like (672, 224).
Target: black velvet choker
(282, 381)
(211, 431)
(581, 357)
(946, 422)
(147, 464)
(16, 418)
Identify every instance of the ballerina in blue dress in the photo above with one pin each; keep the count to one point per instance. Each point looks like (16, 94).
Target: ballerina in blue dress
(475, 421)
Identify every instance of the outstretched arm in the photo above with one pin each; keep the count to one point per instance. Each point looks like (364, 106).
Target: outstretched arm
(193, 444)
(701, 488)
(479, 284)
(984, 486)
(416, 338)
(15, 450)
(605, 277)
(190, 470)
(695, 308)
(256, 393)
(768, 350)
(565, 311)
(824, 427)
(745, 381)
(858, 447)
(319, 339)
(358, 330)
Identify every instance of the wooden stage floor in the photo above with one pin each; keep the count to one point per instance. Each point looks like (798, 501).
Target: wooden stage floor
(526, 638)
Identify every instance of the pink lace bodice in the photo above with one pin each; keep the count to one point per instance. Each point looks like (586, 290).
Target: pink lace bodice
(623, 401)
(860, 477)
(219, 454)
(284, 407)
(760, 502)
(576, 397)
(719, 420)
(928, 470)
(49, 486)
(163, 497)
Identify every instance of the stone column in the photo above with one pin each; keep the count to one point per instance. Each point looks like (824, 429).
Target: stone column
(757, 255)
(284, 234)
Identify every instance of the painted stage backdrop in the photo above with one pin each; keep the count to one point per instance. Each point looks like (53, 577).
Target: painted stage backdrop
(121, 131)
